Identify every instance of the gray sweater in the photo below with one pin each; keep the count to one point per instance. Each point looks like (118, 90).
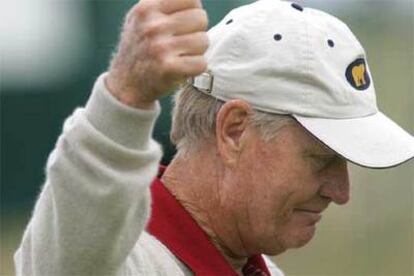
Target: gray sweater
(91, 215)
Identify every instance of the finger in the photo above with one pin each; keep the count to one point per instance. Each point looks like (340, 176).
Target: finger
(189, 66)
(171, 6)
(190, 44)
(188, 21)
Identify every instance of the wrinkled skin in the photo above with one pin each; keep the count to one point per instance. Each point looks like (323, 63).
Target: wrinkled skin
(282, 187)
(251, 196)
(162, 43)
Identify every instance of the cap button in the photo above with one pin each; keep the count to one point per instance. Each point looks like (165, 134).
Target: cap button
(297, 6)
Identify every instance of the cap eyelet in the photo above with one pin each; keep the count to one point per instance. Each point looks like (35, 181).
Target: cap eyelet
(277, 37)
(331, 43)
(297, 6)
(229, 22)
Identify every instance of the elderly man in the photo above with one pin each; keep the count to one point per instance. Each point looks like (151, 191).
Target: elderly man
(270, 113)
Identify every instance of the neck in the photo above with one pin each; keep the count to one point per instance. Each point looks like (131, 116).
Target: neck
(194, 182)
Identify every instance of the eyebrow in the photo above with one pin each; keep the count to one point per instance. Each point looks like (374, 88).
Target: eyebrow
(320, 150)
(323, 155)
(326, 156)
(320, 147)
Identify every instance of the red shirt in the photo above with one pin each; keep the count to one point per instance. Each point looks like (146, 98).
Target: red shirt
(172, 225)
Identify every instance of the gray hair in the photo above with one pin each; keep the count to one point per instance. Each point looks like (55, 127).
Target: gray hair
(194, 120)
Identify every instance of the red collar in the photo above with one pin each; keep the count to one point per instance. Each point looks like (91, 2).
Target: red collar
(171, 224)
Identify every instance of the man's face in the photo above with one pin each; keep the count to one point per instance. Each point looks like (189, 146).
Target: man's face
(282, 187)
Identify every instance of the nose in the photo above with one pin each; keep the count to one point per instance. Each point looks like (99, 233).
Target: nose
(335, 184)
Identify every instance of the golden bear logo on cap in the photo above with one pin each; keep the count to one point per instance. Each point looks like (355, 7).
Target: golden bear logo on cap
(357, 75)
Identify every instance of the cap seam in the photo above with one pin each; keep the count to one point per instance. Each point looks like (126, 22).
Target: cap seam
(308, 59)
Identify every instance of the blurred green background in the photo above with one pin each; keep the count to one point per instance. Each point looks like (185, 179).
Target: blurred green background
(52, 51)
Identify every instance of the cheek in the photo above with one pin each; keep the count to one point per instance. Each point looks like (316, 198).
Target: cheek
(269, 208)
(272, 197)
(273, 224)
(268, 187)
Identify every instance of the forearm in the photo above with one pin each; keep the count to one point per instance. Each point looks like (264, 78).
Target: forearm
(95, 202)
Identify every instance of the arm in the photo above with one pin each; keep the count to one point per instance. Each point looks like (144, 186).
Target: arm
(95, 202)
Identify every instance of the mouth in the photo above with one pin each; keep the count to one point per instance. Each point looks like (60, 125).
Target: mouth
(309, 211)
(313, 216)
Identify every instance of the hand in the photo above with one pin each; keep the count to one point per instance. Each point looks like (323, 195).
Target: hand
(162, 44)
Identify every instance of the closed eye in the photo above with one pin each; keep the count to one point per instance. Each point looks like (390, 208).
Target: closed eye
(322, 161)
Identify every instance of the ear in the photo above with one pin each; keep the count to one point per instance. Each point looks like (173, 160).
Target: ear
(231, 124)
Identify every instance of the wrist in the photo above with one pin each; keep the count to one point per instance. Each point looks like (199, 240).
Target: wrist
(129, 96)
(125, 125)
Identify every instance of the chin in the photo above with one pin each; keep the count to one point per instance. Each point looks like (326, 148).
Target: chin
(302, 238)
(274, 251)
(289, 239)
(296, 238)
(285, 243)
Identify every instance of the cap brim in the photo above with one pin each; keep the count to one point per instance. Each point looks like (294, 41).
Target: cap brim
(374, 141)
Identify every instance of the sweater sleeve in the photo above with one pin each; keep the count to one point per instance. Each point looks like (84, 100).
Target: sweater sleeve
(95, 201)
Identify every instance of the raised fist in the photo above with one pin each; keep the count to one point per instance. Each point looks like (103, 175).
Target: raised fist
(162, 44)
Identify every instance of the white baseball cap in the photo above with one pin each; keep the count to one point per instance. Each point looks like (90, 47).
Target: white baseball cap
(286, 59)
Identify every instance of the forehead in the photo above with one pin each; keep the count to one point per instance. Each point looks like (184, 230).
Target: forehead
(303, 140)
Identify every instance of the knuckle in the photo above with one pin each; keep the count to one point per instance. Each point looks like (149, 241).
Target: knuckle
(197, 67)
(197, 3)
(158, 49)
(154, 28)
(168, 66)
(141, 10)
(200, 42)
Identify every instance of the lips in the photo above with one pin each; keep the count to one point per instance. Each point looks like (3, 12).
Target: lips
(309, 210)
(313, 216)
